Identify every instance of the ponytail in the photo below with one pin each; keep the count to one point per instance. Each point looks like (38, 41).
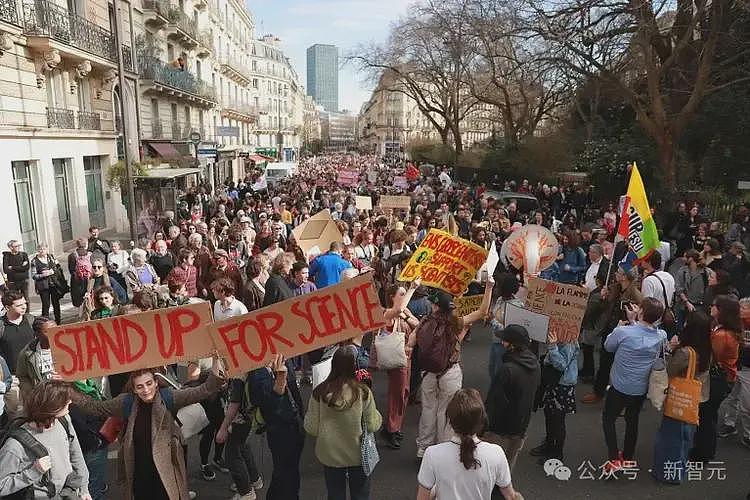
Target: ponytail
(468, 446)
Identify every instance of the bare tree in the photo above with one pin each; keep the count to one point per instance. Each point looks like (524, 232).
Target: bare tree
(660, 56)
(425, 59)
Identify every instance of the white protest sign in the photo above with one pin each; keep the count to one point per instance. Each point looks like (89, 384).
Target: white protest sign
(537, 324)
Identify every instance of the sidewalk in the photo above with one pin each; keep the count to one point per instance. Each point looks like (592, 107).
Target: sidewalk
(69, 313)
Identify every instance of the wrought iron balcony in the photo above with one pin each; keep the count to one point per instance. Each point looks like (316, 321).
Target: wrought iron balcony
(239, 111)
(127, 58)
(60, 118)
(9, 12)
(235, 70)
(176, 132)
(45, 19)
(89, 121)
(156, 12)
(157, 129)
(165, 74)
(186, 28)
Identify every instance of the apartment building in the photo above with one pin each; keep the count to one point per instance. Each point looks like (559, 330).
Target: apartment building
(58, 121)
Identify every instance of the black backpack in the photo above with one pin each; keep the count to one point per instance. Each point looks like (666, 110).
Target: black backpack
(34, 450)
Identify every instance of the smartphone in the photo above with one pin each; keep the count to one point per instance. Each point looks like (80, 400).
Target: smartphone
(626, 306)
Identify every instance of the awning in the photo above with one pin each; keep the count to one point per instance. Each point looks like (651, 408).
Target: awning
(168, 173)
(165, 149)
(258, 158)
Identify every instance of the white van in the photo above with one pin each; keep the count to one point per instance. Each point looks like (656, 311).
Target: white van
(280, 170)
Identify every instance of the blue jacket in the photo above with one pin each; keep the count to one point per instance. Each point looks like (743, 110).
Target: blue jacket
(326, 269)
(277, 410)
(576, 259)
(564, 357)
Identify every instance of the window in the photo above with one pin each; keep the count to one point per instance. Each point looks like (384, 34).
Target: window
(24, 196)
(84, 94)
(154, 109)
(173, 109)
(255, 63)
(55, 89)
(188, 123)
(170, 52)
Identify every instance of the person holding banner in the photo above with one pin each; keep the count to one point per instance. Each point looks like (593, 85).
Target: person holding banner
(151, 456)
(439, 337)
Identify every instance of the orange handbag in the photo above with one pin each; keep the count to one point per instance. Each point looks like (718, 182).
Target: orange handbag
(684, 394)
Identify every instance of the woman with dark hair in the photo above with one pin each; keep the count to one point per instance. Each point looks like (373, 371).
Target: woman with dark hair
(712, 254)
(539, 219)
(398, 318)
(674, 438)
(719, 283)
(46, 421)
(151, 458)
(364, 249)
(465, 467)
(571, 259)
(257, 272)
(726, 339)
(338, 409)
(105, 303)
(186, 272)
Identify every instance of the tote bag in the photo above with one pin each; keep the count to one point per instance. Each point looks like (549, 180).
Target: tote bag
(658, 381)
(390, 350)
(684, 394)
(368, 448)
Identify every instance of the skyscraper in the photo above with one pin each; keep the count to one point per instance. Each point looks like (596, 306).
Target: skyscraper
(323, 75)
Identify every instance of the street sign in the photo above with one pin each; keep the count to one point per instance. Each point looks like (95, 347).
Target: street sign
(228, 131)
(195, 138)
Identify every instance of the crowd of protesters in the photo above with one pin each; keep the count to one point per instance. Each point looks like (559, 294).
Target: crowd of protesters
(234, 246)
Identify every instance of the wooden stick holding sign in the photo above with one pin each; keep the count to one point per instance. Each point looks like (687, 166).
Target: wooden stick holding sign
(126, 343)
(298, 325)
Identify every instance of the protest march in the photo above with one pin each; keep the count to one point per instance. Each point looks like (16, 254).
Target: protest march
(326, 309)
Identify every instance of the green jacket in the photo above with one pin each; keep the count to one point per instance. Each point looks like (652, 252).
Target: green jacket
(338, 428)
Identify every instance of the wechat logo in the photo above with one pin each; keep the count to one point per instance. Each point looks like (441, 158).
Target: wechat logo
(554, 467)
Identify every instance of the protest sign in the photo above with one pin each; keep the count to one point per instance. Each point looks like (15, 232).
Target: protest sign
(467, 305)
(348, 178)
(564, 304)
(395, 202)
(320, 371)
(126, 343)
(298, 325)
(318, 231)
(364, 203)
(400, 182)
(537, 324)
(492, 260)
(445, 261)
(532, 248)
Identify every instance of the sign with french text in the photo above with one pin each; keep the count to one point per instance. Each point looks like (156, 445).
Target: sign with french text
(564, 304)
(298, 325)
(445, 261)
(395, 202)
(125, 343)
(467, 305)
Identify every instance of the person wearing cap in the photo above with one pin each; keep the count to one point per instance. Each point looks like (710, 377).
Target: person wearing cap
(512, 390)
(438, 388)
(558, 398)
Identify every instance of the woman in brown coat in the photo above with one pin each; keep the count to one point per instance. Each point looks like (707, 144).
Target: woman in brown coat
(151, 462)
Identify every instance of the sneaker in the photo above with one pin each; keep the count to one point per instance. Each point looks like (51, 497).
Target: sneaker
(220, 464)
(591, 398)
(399, 435)
(249, 496)
(540, 451)
(258, 485)
(192, 495)
(390, 440)
(208, 472)
(726, 431)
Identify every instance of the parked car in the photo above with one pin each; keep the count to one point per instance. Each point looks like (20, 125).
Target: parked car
(525, 203)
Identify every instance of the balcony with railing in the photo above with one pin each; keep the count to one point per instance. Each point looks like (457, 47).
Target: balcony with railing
(185, 30)
(89, 121)
(157, 129)
(155, 13)
(231, 67)
(127, 58)
(60, 118)
(161, 77)
(9, 12)
(176, 132)
(49, 26)
(239, 111)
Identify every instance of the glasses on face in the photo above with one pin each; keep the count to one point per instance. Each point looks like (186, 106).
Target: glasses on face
(97, 267)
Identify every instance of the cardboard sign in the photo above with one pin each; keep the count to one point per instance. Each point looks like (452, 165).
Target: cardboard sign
(298, 325)
(564, 304)
(348, 178)
(126, 343)
(364, 203)
(445, 261)
(537, 324)
(395, 202)
(318, 231)
(467, 305)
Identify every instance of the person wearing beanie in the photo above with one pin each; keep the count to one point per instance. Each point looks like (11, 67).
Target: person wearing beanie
(511, 395)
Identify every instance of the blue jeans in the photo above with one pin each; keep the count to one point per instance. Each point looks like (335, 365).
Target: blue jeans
(96, 462)
(497, 351)
(336, 479)
(671, 449)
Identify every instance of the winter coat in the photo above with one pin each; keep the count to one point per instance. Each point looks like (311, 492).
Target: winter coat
(166, 439)
(576, 260)
(511, 395)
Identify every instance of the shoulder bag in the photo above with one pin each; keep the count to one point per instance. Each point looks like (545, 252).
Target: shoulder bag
(390, 349)
(684, 394)
(658, 380)
(368, 446)
(668, 320)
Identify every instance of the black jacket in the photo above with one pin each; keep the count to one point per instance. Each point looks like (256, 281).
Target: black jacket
(16, 267)
(277, 289)
(511, 397)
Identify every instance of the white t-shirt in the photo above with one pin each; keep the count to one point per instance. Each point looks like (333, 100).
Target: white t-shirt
(650, 287)
(445, 180)
(236, 308)
(442, 470)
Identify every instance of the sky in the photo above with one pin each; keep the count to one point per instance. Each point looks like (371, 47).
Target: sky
(344, 23)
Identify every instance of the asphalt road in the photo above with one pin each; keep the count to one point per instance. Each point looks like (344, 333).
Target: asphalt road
(395, 476)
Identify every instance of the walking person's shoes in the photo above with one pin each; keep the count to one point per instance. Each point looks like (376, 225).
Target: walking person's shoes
(726, 431)
(208, 472)
(540, 451)
(390, 439)
(591, 398)
(249, 496)
(399, 435)
(220, 464)
(192, 495)
(258, 484)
